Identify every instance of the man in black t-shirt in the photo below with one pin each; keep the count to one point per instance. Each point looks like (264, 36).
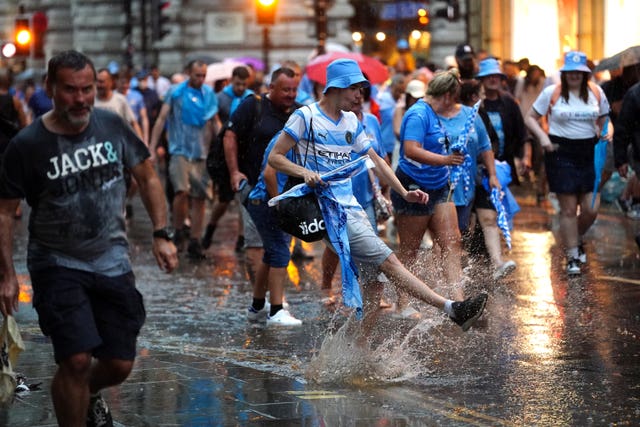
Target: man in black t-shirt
(69, 165)
(245, 141)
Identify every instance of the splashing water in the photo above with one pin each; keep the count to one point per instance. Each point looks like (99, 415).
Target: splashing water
(346, 357)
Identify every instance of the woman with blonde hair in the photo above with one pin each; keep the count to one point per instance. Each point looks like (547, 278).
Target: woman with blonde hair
(424, 165)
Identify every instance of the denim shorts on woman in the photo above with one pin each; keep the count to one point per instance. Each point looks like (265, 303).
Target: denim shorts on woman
(274, 241)
(402, 207)
(87, 312)
(570, 167)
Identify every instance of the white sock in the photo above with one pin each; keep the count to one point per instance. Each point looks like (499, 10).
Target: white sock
(448, 307)
(572, 253)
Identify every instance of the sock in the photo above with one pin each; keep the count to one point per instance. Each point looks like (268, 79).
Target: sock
(448, 308)
(258, 303)
(572, 253)
(274, 309)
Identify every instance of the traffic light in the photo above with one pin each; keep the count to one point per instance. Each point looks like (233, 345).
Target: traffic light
(159, 19)
(266, 12)
(23, 37)
(423, 18)
(451, 12)
(39, 24)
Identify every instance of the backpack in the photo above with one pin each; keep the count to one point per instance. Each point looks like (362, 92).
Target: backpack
(216, 163)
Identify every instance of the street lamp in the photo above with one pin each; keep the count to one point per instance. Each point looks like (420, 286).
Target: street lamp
(266, 16)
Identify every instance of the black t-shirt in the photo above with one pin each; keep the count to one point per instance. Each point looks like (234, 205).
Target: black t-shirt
(76, 188)
(253, 135)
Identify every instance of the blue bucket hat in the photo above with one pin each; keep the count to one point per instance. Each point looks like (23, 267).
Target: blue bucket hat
(490, 67)
(575, 61)
(343, 73)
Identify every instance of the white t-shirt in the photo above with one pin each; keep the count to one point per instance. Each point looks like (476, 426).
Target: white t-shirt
(118, 104)
(574, 119)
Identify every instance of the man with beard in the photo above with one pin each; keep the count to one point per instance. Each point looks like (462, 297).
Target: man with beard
(69, 165)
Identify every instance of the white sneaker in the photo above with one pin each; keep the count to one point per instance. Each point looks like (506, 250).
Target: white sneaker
(503, 270)
(573, 267)
(283, 318)
(254, 315)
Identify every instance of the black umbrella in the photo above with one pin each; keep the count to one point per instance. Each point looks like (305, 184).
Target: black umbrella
(629, 56)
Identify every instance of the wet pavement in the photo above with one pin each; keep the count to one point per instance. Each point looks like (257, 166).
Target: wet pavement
(548, 351)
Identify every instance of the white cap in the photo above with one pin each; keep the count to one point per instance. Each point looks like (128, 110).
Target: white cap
(416, 88)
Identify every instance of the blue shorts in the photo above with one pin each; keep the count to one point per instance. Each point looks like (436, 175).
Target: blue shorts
(274, 241)
(402, 207)
(88, 312)
(570, 168)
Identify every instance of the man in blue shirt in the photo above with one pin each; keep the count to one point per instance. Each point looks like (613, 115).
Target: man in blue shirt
(190, 110)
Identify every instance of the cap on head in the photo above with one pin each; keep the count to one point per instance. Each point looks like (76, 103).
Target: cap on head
(464, 51)
(343, 73)
(575, 61)
(416, 88)
(490, 67)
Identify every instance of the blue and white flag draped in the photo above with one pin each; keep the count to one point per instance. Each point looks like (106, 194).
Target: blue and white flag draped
(462, 171)
(599, 159)
(503, 200)
(335, 222)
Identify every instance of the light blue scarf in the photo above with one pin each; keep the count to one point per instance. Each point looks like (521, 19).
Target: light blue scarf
(335, 221)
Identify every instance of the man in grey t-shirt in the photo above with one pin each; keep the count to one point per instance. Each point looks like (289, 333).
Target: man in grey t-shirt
(69, 165)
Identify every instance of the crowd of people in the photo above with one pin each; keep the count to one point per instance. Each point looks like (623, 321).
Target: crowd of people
(442, 145)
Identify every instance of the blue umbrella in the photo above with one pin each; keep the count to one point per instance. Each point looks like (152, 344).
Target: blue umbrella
(460, 145)
(599, 158)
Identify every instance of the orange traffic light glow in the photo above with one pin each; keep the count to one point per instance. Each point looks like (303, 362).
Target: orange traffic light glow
(23, 37)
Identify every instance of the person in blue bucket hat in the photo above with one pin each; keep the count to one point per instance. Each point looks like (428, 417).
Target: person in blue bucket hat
(325, 134)
(577, 111)
(490, 67)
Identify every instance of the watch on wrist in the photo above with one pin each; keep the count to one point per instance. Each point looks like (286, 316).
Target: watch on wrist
(166, 233)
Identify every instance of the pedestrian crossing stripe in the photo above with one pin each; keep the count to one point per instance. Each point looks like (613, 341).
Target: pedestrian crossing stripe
(317, 394)
(619, 279)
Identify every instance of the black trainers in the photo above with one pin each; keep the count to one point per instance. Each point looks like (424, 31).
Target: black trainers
(99, 414)
(466, 312)
(195, 251)
(240, 244)
(573, 266)
(178, 239)
(208, 236)
(638, 240)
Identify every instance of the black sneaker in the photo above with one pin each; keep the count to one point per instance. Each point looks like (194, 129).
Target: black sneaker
(178, 239)
(195, 251)
(99, 414)
(208, 236)
(466, 312)
(638, 240)
(240, 244)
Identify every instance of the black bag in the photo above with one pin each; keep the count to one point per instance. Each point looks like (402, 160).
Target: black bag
(301, 216)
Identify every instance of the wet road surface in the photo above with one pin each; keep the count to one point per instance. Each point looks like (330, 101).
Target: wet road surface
(549, 350)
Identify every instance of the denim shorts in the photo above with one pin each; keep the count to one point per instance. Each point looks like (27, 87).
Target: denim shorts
(402, 207)
(570, 168)
(274, 241)
(86, 312)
